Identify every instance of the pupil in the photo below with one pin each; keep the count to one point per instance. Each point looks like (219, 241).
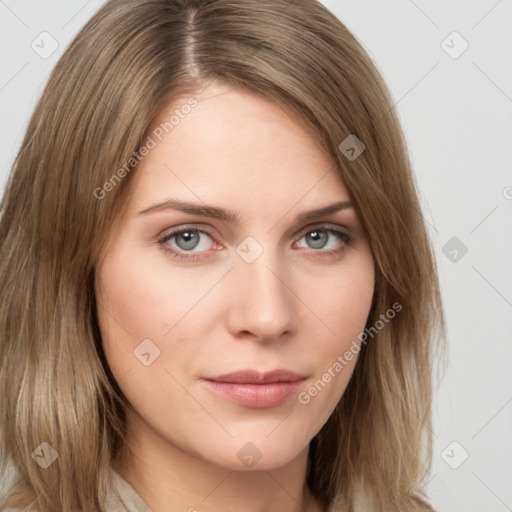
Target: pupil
(320, 238)
(190, 240)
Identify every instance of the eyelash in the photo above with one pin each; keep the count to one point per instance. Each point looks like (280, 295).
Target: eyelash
(184, 255)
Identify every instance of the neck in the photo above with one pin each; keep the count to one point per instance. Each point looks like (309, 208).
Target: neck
(170, 479)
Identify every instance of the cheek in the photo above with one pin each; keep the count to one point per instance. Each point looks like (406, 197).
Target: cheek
(345, 302)
(134, 314)
(134, 296)
(139, 300)
(343, 308)
(130, 307)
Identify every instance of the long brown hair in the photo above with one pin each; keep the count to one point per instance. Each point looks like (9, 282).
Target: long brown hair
(127, 63)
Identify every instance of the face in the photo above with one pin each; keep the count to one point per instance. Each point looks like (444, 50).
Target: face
(225, 328)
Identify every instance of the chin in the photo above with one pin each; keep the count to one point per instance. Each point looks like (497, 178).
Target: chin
(258, 454)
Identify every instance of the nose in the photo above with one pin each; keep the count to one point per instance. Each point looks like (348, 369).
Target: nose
(262, 303)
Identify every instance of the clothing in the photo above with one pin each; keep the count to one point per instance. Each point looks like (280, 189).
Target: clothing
(126, 498)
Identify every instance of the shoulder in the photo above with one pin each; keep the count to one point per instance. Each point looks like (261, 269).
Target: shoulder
(124, 498)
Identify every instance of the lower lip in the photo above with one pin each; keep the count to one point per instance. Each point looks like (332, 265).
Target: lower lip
(257, 396)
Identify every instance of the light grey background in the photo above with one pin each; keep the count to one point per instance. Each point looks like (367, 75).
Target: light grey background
(457, 116)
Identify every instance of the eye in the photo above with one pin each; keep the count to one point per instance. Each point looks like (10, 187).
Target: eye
(192, 244)
(186, 240)
(327, 241)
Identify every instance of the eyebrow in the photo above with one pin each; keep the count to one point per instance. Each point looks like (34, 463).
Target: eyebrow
(232, 217)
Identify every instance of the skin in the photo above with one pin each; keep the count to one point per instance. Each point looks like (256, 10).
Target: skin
(290, 308)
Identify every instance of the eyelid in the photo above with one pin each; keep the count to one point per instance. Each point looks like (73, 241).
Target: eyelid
(342, 232)
(326, 225)
(210, 232)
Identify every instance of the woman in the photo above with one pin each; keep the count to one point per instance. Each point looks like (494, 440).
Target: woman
(218, 288)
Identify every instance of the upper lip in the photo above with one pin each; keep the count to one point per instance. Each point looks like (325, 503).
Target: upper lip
(257, 377)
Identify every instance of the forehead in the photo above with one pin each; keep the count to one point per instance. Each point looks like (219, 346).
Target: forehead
(221, 140)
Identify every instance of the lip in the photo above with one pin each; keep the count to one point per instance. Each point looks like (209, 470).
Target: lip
(257, 377)
(254, 389)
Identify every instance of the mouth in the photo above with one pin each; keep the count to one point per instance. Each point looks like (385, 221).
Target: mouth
(253, 389)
